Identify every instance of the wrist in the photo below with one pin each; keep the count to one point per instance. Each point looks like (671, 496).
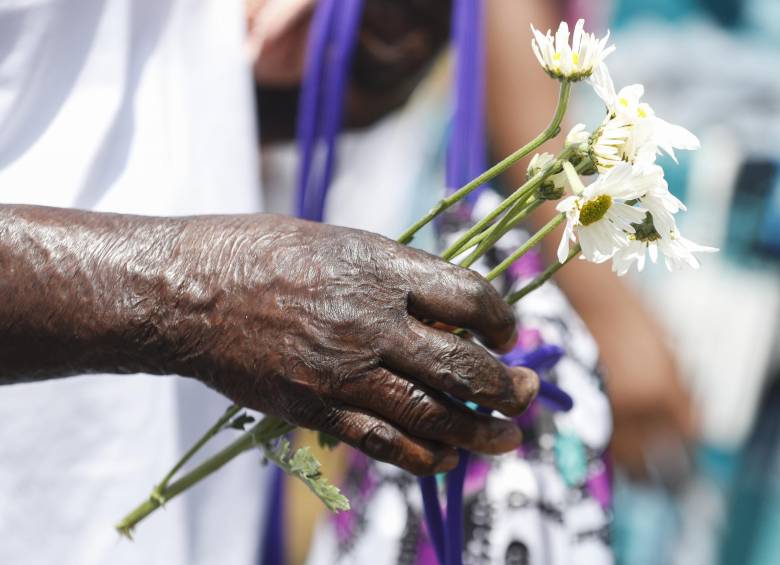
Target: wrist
(124, 275)
(216, 271)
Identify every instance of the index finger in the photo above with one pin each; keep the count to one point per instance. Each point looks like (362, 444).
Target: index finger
(443, 292)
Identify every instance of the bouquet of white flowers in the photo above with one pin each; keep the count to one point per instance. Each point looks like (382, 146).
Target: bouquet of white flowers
(612, 198)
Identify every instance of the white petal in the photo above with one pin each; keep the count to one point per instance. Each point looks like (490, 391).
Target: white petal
(537, 53)
(624, 215)
(670, 136)
(562, 37)
(563, 246)
(632, 93)
(573, 179)
(567, 204)
(603, 85)
(577, 38)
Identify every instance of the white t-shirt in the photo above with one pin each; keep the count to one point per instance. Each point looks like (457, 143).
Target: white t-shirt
(139, 106)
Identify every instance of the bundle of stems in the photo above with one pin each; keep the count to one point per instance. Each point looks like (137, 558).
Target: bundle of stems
(468, 248)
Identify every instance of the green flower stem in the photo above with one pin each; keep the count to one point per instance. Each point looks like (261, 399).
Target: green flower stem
(518, 195)
(485, 223)
(527, 246)
(542, 278)
(550, 132)
(264, 431)
(524, 213)
(479, 238)
(517, 214)
(218, 425)
(516, 219)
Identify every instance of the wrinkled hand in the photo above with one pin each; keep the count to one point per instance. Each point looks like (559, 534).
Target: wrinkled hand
(321, 326)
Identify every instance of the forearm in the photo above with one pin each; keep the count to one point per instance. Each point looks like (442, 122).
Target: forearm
(77, 291)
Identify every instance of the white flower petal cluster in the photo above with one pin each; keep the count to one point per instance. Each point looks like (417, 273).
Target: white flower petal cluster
(678, 253)
(571, 62)
(628, 212)
(599, 215)
(631, 131)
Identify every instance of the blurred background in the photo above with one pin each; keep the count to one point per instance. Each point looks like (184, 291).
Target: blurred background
(711, 65)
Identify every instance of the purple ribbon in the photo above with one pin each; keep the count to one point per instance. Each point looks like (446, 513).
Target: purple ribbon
(541, 360)
(433, 515)
(310, 97)
(466, 151)
(272, 549)
(332, 42)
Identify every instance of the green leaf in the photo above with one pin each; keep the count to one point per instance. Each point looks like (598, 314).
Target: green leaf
(304, 466)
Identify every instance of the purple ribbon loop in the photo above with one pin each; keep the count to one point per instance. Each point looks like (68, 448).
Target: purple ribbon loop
(332, 41)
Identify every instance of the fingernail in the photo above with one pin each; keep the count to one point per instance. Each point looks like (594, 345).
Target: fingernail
(448, 462)
(509, 437)
(510, 344)
(525, 387)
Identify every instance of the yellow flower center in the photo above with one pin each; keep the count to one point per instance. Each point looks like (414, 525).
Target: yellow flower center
(575, 57)
(593, 210)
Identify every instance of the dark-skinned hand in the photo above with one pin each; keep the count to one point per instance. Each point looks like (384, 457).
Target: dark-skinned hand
(319, 325)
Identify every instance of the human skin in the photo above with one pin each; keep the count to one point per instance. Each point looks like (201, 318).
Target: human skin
(316, 324)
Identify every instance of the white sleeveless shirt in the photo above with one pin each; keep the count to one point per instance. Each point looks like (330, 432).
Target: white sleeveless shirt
(139, 106)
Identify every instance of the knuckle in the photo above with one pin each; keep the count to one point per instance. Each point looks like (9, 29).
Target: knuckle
(377, 439)
(473, 370)
(451, 369)
(387, 336)
(458, 384)
(426, 413)
(443, 423)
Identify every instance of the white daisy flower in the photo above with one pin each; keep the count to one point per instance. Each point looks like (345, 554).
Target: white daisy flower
(597, 215)
(631, 131)
(571, 62)
(647, 240)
